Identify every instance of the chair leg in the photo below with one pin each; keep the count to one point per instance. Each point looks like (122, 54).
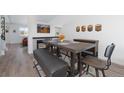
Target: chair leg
(87, 69)
(103, 73)
(35, 65)
(97, 72)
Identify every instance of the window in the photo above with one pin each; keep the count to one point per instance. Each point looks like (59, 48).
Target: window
(23, 31)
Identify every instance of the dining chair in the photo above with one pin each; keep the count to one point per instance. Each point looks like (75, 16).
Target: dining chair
(98, 64)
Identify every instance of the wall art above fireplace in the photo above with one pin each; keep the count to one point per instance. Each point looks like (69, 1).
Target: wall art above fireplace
(42, 28)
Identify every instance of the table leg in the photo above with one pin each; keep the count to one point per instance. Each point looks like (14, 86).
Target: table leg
(58, 52)
(51, 49)
(79, 62)
(72, 63)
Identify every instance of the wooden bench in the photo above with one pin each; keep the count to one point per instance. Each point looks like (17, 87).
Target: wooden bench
(51, 65)
(92, 51)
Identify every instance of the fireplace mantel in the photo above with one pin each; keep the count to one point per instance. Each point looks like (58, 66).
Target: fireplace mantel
(45, 37)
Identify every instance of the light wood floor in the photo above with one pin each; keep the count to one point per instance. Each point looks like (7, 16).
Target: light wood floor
(18, 63)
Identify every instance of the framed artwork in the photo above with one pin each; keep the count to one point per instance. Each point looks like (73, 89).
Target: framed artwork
(77, 28)
(83, 28)
(90, 28)
(98, 27)
(42, 28)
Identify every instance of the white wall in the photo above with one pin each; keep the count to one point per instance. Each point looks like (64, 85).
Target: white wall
(112, 31)
(32, 25)
(12, 37)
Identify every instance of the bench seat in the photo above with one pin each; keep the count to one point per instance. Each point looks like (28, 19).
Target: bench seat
(51, 65)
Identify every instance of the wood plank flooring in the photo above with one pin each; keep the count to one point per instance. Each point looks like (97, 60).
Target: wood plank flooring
(18, 63)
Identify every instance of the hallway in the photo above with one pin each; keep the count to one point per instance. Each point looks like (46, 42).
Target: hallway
(17, 62)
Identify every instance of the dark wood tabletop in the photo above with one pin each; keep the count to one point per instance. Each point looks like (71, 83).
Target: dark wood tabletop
(75, 47)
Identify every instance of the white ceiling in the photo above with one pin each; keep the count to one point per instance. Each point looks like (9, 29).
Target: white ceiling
(23, 19)
(45, 18)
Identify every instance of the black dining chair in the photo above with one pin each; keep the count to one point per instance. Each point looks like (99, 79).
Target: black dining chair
(98, 64)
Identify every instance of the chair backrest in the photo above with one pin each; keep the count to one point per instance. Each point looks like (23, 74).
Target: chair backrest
(109, 50)
(108, 53)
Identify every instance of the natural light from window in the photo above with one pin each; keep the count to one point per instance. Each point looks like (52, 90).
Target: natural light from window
(23, 31)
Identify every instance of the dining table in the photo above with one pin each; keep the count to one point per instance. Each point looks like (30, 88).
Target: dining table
(75, 49)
